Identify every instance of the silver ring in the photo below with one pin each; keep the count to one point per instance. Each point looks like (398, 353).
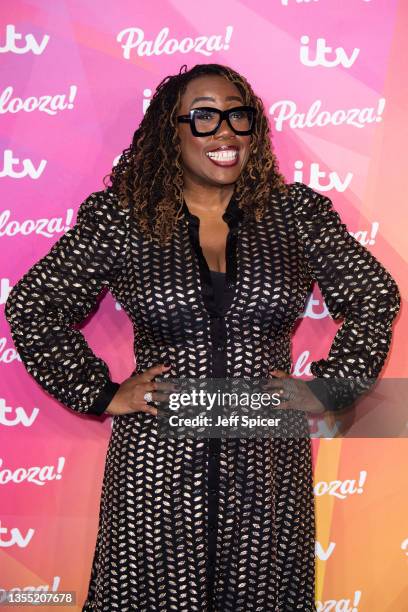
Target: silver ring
(148, 397)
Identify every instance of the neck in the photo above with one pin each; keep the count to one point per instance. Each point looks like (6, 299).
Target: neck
(210, 199)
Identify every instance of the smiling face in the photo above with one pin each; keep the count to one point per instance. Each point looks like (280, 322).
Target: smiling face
(204, 163)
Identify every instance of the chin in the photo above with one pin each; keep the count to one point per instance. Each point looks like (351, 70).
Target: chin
(226, 181)
(226, 178)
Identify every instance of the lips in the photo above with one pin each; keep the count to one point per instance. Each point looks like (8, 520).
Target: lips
(224, 155)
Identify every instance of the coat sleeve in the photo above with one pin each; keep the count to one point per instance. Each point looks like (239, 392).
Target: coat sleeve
(60, 290)
(357, 289)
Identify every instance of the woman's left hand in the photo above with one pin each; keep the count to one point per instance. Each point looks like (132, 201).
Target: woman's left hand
(294, 393)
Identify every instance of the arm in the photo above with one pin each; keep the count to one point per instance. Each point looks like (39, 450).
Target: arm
(60, 290)
(356, 288)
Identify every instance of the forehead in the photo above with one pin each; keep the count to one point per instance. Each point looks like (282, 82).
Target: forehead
(210, 86)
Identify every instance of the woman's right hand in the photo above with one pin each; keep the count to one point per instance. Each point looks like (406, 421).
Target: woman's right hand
(129, 397)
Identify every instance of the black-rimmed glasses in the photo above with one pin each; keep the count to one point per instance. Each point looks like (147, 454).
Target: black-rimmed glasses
(205, 120)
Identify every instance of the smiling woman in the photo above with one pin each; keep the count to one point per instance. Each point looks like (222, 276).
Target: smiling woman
(213, 151)
(212, 254)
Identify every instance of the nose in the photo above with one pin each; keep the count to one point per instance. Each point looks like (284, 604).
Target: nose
(224, 129)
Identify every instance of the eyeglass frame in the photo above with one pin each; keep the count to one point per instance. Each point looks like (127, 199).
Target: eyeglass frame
(223, 114)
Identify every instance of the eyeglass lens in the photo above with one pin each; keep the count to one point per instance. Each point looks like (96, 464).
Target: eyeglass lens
(205, 120)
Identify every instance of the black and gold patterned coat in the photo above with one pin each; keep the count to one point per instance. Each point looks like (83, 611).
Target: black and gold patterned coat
(153, 549)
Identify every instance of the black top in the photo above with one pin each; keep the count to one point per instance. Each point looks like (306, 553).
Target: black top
(220, 301)
(218, 281)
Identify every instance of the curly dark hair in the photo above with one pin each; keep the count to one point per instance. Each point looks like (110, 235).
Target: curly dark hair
(149, 174)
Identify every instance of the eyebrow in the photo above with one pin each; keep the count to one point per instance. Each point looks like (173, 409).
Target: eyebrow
(210, 99)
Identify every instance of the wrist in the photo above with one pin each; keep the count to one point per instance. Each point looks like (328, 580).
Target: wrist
(104, 398)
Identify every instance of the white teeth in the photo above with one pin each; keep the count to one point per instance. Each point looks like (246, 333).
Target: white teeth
(226, 155)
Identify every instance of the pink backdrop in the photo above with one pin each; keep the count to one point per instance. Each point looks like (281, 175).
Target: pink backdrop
(76, 78)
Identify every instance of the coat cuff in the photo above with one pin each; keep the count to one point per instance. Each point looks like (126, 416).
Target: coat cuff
(104, 398)
(319, 388)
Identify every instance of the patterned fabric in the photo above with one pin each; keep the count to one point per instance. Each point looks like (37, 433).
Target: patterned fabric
(198, 525)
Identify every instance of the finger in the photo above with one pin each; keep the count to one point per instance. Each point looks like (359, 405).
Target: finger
(156, 396)
(284, 404)
(147, 409)
(153, 371)
(146, 387)
(160, 397)
(288, 403)
(149, 385)
(279, 373)
(288, 383)
(278, 386)
(166, 386)
(283, 399)
(148, 390)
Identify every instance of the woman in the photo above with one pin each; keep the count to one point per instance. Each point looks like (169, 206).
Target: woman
(211, 254)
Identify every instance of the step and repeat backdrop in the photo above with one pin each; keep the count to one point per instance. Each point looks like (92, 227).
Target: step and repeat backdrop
(76, 78)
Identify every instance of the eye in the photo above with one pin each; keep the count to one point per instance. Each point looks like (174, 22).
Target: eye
(204, 115)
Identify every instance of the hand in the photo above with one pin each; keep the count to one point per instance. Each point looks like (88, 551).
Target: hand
(129, 397)
(295, 393)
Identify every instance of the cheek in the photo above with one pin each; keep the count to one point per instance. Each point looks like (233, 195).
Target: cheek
(245, 154)
(192, 152)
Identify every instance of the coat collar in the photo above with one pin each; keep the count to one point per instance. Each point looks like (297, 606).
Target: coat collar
(232, 214)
